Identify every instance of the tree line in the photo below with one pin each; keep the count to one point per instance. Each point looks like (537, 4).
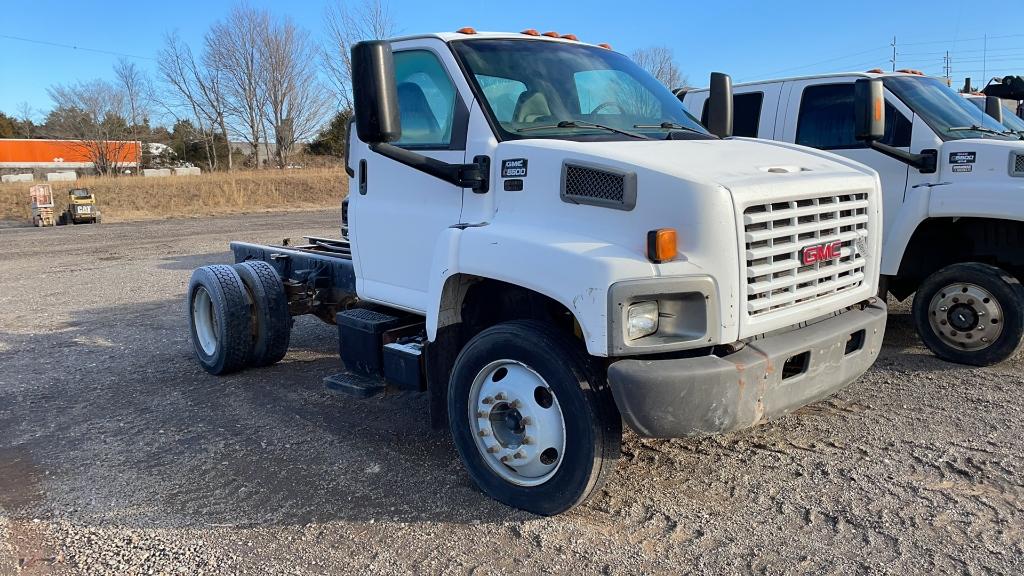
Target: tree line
(255, 77)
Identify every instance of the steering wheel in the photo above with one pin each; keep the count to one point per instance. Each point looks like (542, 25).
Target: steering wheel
(597, 109)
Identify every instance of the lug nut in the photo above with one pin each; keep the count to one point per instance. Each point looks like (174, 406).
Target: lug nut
(526, 421)
(984, 339)
(527, 440)
(500, 396)
(981, 326)
(943, 308)
(518, 456)
(516, 404)
(492, 449)
(488, 400)
(504, 458)
(484, 432)
(481, 414)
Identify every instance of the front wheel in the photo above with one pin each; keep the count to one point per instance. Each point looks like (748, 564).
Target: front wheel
(531, 417)
(970, 313)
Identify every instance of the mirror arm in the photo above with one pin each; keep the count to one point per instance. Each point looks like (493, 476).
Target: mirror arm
(475, 175)
(925, 162)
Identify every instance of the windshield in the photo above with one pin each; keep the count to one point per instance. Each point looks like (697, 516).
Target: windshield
(945, 111)
(80, 193)
(541, 89)
(1010, 118)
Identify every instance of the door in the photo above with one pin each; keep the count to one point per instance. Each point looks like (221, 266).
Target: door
(397, 213)
(820, 115)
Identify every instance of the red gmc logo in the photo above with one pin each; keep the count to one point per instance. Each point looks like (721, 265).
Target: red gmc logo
(821, 252)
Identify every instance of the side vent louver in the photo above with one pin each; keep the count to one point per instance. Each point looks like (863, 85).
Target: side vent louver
(598, 186)
(1016, 164)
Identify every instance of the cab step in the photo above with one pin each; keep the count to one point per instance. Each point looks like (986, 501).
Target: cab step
(354, 385)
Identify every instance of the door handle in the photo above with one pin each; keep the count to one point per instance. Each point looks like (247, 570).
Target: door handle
(362, 177)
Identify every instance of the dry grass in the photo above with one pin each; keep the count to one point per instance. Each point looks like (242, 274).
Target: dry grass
(136, 198)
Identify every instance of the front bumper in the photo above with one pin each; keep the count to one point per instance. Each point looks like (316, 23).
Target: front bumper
(671, 398)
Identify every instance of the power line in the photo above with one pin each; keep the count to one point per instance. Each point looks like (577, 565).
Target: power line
(770, 74)
(72, 47)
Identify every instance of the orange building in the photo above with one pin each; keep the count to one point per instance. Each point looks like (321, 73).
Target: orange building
(36, 153)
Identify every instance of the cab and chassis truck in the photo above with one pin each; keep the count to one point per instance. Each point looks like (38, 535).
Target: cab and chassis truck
(543, 241)
(953, 194)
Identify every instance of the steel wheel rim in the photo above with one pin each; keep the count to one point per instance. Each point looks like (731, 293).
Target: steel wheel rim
(516, 423)
(966, 316)
(205, 321)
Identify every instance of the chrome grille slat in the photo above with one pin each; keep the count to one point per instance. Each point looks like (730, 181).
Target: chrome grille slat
(774, 235)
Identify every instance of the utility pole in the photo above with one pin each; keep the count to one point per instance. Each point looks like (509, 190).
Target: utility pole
(947, 67)
(893, 54)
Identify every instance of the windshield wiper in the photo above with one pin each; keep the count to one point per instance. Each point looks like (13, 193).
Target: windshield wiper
(670, 126)
(583, 124)
(976, 128)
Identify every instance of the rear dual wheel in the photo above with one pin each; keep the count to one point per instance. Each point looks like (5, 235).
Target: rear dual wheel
(238, 316)
(531, 418)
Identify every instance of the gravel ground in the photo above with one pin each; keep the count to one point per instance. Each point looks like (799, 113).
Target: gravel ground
(118, 455)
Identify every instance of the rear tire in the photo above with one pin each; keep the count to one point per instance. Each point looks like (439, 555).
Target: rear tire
(970, 313)
(272, 321)
(532, 418)
(219, 319)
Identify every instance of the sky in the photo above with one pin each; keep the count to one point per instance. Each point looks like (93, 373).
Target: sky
(749, 40)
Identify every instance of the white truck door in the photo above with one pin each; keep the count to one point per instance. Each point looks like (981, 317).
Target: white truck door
(399, 212)
(820, 115)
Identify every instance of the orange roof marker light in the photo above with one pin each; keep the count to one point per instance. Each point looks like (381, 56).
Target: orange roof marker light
(550, 34)
(571, 37)
(911, 71)
(605, 45)
(876, 71)
(466, 30)
(530, 32)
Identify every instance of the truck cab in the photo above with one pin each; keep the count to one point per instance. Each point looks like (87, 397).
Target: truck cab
(953, 202)
(538, 225)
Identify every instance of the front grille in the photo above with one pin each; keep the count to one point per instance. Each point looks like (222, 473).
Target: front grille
(604, 187)
(777, 232)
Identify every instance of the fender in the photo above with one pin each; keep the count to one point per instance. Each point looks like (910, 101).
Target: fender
(967, 200)
(573, 270)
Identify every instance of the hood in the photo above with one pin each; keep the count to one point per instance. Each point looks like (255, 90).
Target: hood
(733, 162)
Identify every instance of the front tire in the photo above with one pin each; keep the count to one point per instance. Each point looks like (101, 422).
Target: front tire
(970, 313)
(532, 418)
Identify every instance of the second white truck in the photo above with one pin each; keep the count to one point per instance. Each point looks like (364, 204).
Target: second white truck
(953, 190)
(542, 240)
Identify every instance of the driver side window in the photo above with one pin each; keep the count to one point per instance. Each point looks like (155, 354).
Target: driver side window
(426, 100)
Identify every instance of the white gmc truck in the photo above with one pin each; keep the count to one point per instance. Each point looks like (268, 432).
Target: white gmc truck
(542, 240)
(953, 191)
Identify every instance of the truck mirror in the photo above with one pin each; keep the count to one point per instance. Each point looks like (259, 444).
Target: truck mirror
(375, 96)
(869, 109)
(720, 105)
(994, 108)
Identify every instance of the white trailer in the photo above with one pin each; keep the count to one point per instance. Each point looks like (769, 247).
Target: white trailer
(953, 182)
(542, 240)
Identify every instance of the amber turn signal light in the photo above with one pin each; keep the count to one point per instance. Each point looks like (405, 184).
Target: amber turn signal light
(530, 32)
(661, 245)
(466, 30)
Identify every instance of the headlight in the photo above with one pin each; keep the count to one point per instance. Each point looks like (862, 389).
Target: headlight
(642, 320)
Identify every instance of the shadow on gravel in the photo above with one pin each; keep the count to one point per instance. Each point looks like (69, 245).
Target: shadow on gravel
(122, 427)
(193, 261)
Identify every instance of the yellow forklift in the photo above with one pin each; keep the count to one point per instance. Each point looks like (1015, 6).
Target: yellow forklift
(82, 208)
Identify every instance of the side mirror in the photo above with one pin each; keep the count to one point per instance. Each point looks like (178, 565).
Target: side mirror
(869, 109)
(720, 105)
(375, 96)
(994, 108)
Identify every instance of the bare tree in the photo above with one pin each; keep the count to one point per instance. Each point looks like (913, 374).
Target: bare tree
(182, 78)
(95, 115)
(346, 25)
(660, 63)
(24, 113)
(295, 99)
(234, 48)
(137, 89)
